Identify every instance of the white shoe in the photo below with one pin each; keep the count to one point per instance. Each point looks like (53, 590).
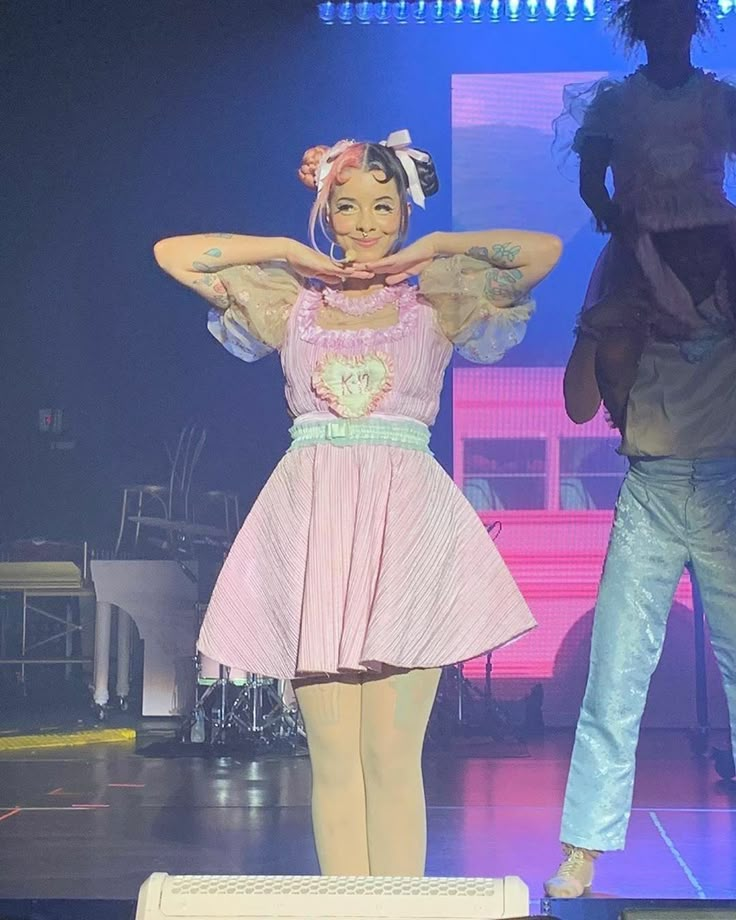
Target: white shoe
(575, 874)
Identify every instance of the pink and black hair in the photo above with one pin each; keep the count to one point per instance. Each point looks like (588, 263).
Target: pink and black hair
(369, 157)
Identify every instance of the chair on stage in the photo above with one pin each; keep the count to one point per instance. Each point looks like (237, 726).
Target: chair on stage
(168, 515)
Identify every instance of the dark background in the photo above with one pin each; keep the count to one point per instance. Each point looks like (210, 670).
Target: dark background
(127, 122)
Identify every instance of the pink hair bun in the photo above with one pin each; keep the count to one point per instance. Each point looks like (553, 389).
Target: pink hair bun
(310, 165)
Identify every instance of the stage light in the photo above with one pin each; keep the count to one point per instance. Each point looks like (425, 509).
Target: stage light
(438, 11)
(327, 12)
(457, 10)
(725, 7)
(382, 11)
(401, 11)
(345, 11)
(475, 12)
(364, 12)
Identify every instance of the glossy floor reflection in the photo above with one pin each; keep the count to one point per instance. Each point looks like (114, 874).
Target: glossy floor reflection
(93, 823)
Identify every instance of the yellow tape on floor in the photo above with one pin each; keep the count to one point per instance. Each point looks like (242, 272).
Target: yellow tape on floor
(67, 739)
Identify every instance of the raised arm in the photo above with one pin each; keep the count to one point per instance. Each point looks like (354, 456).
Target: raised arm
(209, 252)
(195, 260)
(520, 259)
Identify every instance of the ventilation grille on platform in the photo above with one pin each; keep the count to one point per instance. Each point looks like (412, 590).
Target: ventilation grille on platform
(304, 886)
(243, 897)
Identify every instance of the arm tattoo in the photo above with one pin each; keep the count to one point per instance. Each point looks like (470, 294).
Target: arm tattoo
(504, 282)
(217, 293)
(503, 285)
(502, 254)
(206, 266)
(505, 253)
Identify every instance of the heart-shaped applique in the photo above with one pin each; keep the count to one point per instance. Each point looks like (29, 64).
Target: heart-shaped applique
(353, 385)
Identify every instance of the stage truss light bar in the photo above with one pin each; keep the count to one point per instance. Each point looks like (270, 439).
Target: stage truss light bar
(405, 12)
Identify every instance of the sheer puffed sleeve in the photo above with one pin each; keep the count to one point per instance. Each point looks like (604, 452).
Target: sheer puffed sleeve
(464, 292)
(589, 110)
(250, 306)
(597, 113)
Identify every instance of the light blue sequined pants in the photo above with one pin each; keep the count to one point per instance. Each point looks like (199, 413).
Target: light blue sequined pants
(670, 514)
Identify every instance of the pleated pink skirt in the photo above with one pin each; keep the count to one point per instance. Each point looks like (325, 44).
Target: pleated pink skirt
(354, 558)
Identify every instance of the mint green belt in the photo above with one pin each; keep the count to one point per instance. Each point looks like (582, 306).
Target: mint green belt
(346, 432)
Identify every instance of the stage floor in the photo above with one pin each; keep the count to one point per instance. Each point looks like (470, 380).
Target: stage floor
(94, 822)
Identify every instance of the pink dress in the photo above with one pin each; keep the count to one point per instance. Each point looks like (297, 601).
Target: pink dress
(360, 551)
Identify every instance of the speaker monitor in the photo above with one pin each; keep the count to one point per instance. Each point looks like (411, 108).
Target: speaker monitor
(247, 897)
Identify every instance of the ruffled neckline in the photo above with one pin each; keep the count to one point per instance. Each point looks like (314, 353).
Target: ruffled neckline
(674, 92)
(406, 299)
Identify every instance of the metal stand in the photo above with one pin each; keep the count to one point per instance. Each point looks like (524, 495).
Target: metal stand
(45, 635)
(466, 711)
(255, 711)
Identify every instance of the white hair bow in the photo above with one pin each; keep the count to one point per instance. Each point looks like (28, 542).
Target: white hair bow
(400, 143)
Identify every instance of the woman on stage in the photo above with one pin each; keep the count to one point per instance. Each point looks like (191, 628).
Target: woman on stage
(361, 570)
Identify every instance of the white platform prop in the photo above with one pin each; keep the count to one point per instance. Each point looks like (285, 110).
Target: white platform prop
(159, 598)
(237, 897)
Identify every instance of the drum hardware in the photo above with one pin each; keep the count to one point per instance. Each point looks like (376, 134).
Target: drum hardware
(250, 707)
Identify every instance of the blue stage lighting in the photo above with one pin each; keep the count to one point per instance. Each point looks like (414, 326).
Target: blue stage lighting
(725, 7)
(327, 12)
(364, 12)
(382, 11)
(345, 11)
(476, 10)
(438, 10)
(401, 11)
(457, 10)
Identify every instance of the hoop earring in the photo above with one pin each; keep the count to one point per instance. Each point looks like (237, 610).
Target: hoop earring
(332, 252)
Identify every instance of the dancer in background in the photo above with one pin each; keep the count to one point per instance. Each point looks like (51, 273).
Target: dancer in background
(361, 570)
(656, 343)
